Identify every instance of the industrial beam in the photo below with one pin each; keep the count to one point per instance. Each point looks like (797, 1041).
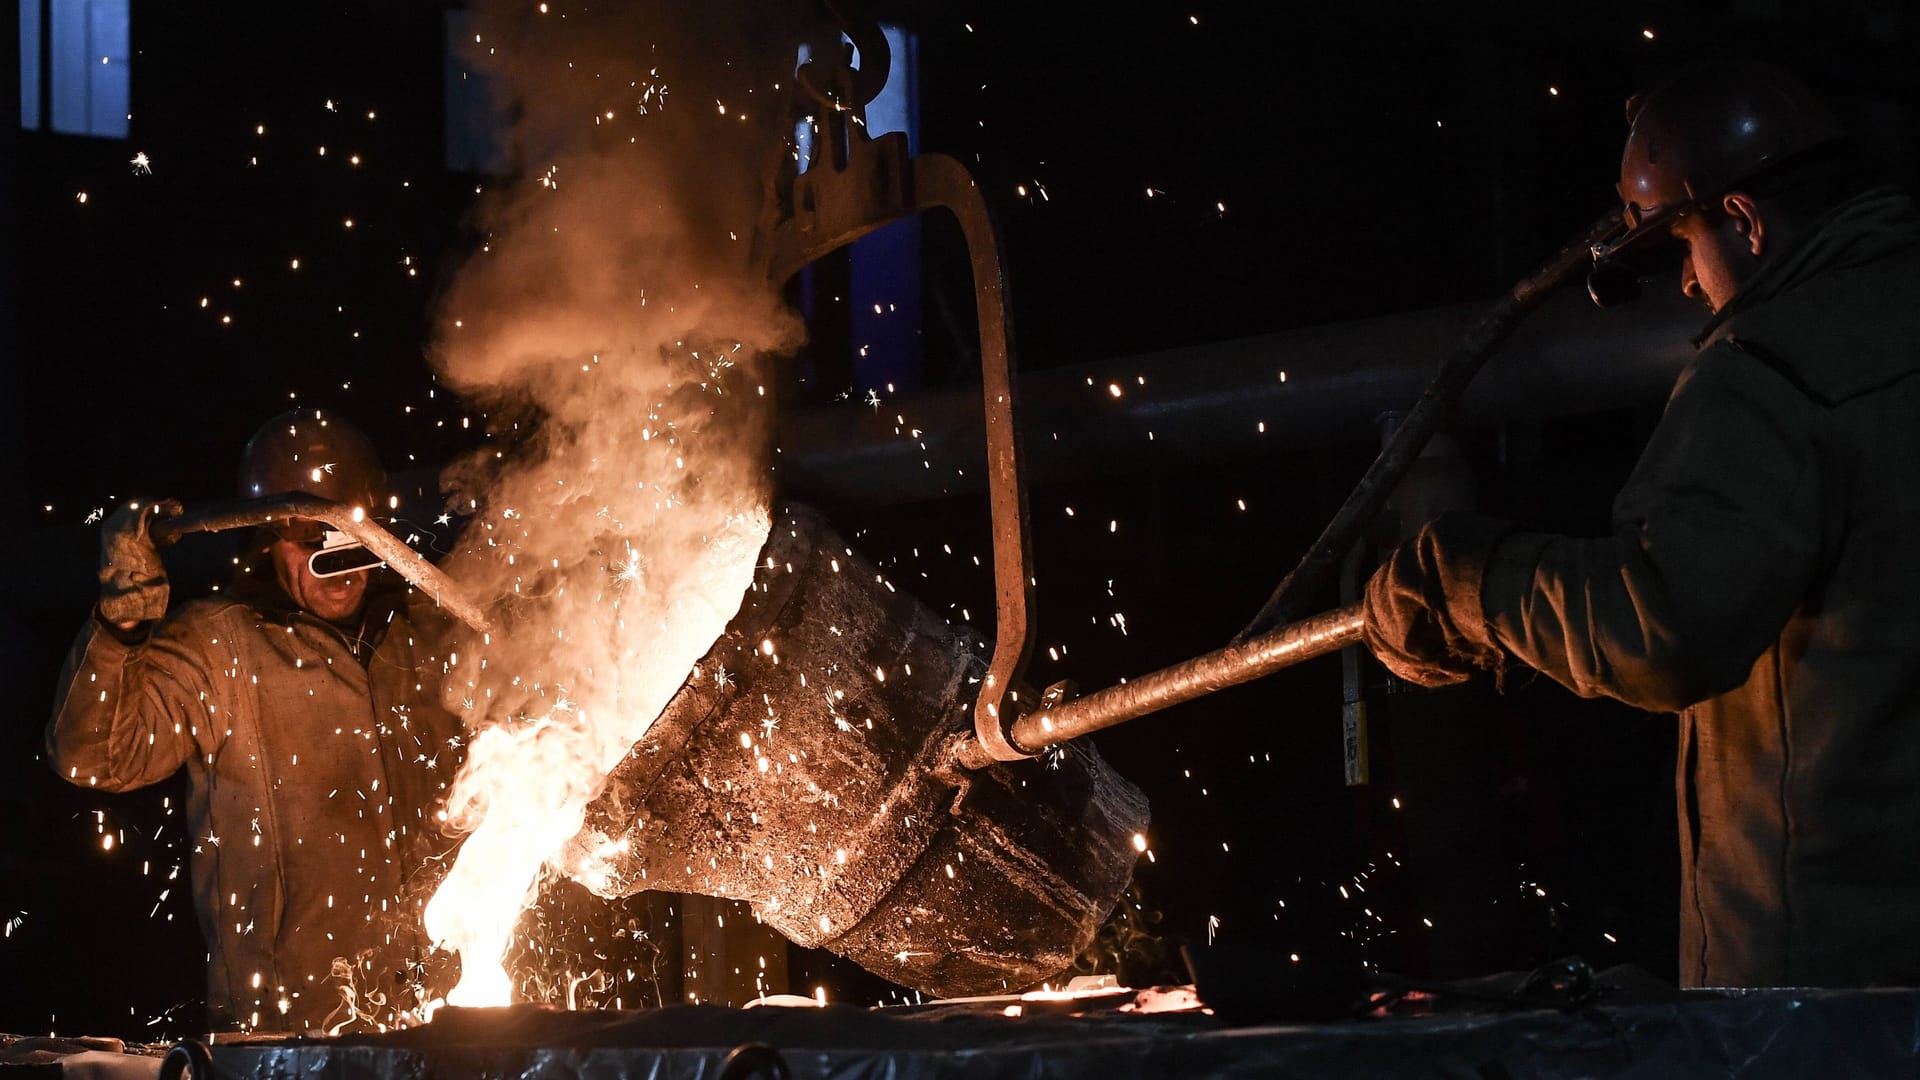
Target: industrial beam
(1209, 402)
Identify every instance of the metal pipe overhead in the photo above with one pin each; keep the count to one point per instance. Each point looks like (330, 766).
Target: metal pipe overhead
(1239, 399)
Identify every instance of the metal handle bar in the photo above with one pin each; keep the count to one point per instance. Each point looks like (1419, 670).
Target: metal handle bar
(409, 564)
(1230, 666)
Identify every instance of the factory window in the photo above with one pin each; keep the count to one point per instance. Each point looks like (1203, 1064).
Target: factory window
(74, 75)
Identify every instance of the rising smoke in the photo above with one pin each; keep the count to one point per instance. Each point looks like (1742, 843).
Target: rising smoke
(612, 327)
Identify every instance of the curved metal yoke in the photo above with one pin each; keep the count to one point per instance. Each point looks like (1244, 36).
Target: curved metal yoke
(853, 185)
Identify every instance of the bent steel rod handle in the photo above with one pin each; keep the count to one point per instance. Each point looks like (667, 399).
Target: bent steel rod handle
(1317, 566)
(409, 564)
(941, 181)
(836, 202)
(1198, 677)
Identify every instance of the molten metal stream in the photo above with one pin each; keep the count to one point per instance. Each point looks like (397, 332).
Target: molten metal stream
(526, 783)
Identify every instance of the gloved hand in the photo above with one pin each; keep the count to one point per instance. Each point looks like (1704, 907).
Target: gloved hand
(1423, 605)
(133, 581)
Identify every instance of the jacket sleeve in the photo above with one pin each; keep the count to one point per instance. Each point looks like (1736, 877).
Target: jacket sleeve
(129, 715)
(1715, 540)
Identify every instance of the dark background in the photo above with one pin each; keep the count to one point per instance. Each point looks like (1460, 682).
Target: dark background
(1371, 159)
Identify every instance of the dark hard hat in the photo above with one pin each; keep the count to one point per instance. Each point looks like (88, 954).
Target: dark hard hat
(1704, 133)
(315, 452)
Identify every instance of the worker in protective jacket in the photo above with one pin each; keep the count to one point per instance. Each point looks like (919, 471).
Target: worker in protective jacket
(305, 711)
(1760, 579)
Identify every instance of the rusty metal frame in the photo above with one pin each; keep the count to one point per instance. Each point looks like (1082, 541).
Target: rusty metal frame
(409, 564)
(853, 185)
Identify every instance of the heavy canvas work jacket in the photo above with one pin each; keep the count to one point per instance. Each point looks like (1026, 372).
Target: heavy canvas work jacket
(315, 760)
(1763, 581)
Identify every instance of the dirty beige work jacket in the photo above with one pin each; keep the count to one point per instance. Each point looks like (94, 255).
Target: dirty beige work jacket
(315, 758)
(1763, 581)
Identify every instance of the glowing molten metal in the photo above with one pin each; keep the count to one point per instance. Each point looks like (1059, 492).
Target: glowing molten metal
(527, 783)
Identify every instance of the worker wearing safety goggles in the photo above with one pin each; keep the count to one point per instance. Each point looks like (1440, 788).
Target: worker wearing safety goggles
(302, 703)
(1760, 578)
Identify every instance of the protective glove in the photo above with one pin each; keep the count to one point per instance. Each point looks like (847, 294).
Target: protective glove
(133, 581)
(1423, 605)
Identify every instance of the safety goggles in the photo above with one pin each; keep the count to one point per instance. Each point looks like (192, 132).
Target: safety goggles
(335, 553)
(1636, 247)
(1641, 229)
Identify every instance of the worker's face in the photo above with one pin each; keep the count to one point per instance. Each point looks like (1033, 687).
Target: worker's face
(1722, 251)
(335, 599)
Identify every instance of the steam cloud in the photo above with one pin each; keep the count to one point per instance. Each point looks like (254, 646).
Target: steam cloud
(611, 326)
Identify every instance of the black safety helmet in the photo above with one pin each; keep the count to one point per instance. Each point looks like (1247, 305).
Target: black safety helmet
(316, 452)
(1695, 138)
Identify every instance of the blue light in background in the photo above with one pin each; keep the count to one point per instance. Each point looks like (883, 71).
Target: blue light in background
(29, 64)
(109, 81)
(883, 278)
(895, 108)
(85, 42)
(883, 268)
